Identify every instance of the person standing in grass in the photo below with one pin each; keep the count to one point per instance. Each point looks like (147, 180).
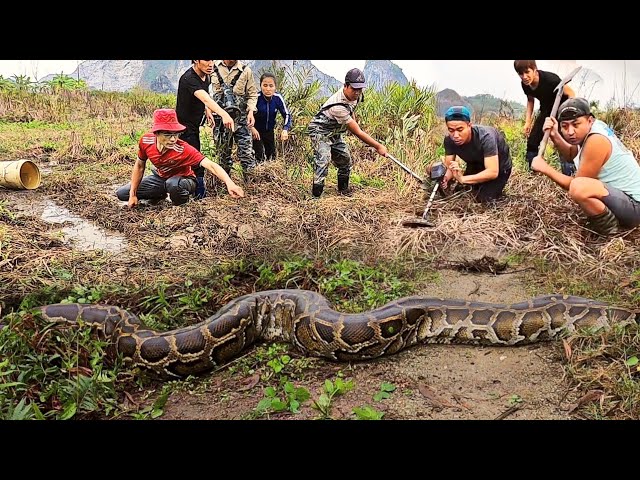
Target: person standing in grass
(326, 128)
(269, 104)
(174, 161)
(539, 84)
(234, 88)
(484, 150)
(607, 181)
(192, 97)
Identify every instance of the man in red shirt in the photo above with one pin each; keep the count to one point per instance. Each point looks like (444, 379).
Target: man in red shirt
(174, 160)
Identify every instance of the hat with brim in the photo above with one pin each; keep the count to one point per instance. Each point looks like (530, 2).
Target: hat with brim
(573, 108)
(166, 119)
(355, 78)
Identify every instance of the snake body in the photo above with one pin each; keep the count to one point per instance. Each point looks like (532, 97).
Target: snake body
(307, 320)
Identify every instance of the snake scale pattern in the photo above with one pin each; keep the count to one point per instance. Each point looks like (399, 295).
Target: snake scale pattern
(307, 320)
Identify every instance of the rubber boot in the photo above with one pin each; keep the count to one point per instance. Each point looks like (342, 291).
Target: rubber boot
(248, 176)
(317, 189)
(604, 223)
(201, 189)
(343, 186)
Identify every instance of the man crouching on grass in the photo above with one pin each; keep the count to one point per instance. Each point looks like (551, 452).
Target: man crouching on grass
(173, 160)
(483, 149)
(607, 182)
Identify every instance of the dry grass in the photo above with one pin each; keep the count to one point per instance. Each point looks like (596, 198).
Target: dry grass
(604, 367)
(535, 221)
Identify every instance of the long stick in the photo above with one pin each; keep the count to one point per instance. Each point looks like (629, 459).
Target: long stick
(425, 214)
(405, 168)
(554, 109)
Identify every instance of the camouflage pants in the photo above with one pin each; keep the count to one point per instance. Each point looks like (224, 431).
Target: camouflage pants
(328, 148)
(224, 138)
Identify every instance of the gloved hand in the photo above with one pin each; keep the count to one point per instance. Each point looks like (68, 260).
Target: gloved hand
(201, 190)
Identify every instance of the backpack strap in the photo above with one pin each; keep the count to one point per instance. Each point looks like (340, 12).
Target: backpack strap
(346, 105)
(222, 82)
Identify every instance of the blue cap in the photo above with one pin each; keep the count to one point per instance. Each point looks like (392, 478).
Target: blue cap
(457, 113)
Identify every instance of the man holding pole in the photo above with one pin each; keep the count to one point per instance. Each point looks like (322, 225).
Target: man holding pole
(607, 182)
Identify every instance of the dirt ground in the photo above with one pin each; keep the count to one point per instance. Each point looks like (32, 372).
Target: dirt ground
(431, 381)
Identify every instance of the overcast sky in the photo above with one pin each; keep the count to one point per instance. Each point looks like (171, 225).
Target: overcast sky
(616, 81)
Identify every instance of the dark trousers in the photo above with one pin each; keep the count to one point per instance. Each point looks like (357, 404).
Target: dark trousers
(535, 137)
(193, 138)
(265, 148)
(154, 187)
(491, 190)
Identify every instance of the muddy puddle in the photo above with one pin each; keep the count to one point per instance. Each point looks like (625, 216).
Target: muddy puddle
(78, 232)
(82, 234)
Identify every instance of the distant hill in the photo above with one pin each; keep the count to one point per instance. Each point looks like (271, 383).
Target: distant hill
(382, 72)
(485, 103)
(480, 105)
(328, 84)
(162, 76)
(448, 98)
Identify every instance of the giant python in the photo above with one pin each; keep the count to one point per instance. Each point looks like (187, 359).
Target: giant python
(307, 320)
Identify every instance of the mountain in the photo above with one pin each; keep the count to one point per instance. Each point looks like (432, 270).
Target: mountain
(381, 72)
(480, 105)
(304, 68)
(162, 75)
(122, 75)
(377, 72)
(485, 104)
(448, 98)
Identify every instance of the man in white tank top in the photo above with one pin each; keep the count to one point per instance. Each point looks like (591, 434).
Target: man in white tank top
(607, 181)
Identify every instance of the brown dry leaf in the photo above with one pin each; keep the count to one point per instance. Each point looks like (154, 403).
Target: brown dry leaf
(590, 396)
(249, 382)
(83, 370)
(130, 398)
(626, 283)
(461, 402)
(428, 393)
(567, 349)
